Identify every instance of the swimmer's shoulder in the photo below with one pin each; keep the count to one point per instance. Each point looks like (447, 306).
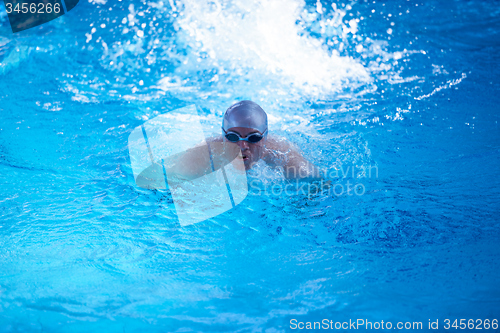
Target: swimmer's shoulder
(278, 150)
(279, 144)
(214, 139)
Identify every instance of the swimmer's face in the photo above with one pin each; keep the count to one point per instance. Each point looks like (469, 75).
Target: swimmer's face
(251, 152)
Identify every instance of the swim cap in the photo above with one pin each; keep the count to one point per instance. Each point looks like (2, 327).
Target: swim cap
(245, 114)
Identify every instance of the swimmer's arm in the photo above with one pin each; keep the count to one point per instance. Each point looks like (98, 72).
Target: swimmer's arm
(203, 159)
(189, 165)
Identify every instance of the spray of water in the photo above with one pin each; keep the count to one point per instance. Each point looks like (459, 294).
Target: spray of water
(243, 41)
(263, 48)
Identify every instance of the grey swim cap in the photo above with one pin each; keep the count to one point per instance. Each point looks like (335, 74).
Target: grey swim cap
(245, 114)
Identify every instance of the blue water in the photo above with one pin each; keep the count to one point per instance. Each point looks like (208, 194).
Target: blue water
(408, 88)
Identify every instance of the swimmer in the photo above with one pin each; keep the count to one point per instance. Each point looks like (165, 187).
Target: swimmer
(245, 129)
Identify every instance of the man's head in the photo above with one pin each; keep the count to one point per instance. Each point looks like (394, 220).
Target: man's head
(245, 124)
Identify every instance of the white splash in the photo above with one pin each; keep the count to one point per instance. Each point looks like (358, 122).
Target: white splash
(449, 84)
(263, 38)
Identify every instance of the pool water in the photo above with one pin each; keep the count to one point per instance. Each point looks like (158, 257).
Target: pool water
(409, 90)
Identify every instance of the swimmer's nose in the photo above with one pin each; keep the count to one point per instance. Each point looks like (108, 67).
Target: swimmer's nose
(243, 145)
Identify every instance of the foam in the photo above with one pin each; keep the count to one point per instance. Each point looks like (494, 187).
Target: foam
(263, 38)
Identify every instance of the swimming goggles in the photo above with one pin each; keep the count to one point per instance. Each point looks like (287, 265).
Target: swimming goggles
(252, 138)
